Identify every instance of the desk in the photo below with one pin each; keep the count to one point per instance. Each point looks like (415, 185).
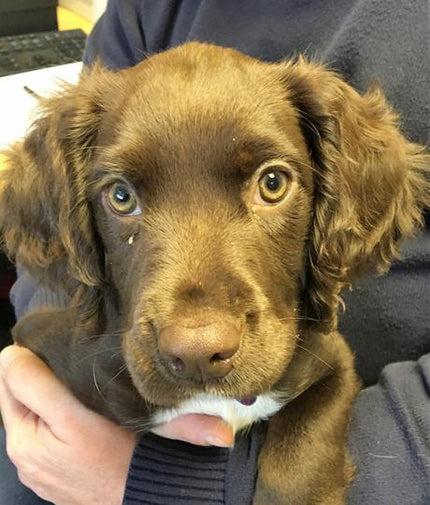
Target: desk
(67, 20)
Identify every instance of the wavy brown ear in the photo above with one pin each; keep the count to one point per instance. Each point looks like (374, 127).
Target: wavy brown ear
(46, 220)
(371, 183)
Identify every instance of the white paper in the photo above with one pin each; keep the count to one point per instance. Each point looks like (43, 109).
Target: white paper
(16, 104)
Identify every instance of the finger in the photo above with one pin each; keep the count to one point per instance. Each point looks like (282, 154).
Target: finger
(20, 425)
(12, 411)
(198, 429)
(33, 384)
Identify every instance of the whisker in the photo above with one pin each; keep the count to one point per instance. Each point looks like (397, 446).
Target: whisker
(138, 425)
(305, 165)
(99, 352)
(122, 369)
(305, 117)
(299, 318)
(315, 356)
(291, 318)
(85, 339)
(96, 384)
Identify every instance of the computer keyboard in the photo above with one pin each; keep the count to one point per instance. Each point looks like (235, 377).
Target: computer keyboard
(21, 53)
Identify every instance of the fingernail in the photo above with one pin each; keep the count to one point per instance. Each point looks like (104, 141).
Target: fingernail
(218, 442)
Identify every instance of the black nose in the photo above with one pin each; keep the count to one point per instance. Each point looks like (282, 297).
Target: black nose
(200, 350)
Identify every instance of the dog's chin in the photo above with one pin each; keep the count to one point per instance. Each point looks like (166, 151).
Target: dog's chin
(237, 413)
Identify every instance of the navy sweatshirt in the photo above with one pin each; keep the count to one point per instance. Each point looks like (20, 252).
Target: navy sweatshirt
(387, 320)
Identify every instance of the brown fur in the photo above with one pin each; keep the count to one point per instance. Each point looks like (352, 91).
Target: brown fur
(189, 129)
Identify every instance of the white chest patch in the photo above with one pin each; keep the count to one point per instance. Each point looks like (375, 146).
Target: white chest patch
(238, 416)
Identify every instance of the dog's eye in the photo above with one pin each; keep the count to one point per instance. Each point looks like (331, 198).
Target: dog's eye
(273, 185)
(122, 200)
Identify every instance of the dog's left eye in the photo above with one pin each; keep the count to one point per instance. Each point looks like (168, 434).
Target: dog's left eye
(273, 186)
(122, 200)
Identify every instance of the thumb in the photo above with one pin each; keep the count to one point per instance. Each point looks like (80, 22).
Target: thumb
(33, 384)
(198, 429)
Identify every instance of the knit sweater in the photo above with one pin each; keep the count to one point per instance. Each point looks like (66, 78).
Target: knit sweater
(387, 320)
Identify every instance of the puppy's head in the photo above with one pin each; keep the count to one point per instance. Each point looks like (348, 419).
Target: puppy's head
(209, 206)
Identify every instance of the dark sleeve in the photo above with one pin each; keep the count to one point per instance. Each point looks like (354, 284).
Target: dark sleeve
(117, 39)
(27, 295)
(170, 471)
(367, 40)
(390, 437)
(387, 42)
(130, 30)
(387, 319)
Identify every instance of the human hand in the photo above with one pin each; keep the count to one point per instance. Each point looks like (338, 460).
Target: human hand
(63, 451)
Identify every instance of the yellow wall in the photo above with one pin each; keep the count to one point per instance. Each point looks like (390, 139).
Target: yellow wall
(68, 20)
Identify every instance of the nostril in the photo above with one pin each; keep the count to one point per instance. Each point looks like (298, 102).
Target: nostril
(177, 365)
(218, 365)
(221, 356)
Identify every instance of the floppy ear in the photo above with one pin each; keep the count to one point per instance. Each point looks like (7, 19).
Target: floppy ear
(45, 216)
(370, 185)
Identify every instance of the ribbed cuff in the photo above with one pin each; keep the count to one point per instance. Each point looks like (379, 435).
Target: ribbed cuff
(169, 472)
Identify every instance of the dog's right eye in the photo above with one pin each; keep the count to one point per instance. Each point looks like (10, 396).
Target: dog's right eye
(122, 200)
(273, 186)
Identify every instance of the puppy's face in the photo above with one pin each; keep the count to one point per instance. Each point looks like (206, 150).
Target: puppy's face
(205, 207)
(202, 190)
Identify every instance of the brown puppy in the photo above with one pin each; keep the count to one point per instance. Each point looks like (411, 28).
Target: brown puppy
(203, 210)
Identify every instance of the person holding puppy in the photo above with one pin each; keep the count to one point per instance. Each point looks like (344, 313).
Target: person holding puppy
(68, 455)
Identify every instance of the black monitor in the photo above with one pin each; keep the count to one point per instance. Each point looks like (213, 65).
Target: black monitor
(27, 16)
